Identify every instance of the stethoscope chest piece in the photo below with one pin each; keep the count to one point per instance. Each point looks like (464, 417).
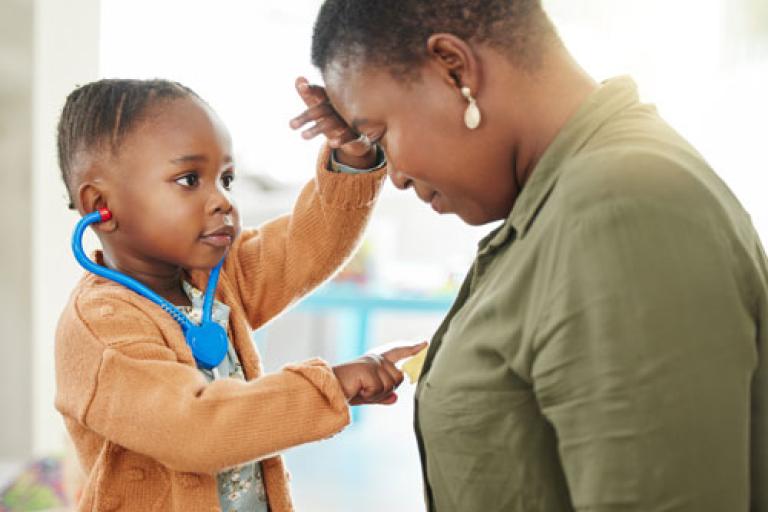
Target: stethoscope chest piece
(208, 342)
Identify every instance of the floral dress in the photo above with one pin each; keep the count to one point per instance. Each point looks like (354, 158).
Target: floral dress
(241, 489)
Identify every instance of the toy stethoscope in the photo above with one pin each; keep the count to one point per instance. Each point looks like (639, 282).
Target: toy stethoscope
(208, 341)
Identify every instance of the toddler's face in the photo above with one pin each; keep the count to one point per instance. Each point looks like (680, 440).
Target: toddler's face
(170, 192)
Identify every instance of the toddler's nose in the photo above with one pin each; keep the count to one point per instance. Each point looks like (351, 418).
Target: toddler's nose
(220, 203)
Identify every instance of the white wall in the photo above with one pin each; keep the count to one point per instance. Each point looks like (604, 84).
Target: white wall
(16, 49)
(66, 39)
(703, 63)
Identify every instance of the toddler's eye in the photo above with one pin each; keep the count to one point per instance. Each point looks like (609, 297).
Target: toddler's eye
(227, 180)
(188, 180)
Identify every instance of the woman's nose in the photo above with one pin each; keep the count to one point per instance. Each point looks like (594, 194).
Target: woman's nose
(399, 179)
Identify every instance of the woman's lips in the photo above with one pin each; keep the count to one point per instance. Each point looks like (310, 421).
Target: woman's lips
(432, 198)
(434, 202)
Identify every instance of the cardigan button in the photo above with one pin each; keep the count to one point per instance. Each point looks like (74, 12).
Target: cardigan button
(135, 474)
(189, 480)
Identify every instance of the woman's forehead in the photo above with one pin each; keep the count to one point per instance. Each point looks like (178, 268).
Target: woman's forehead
(362, 93)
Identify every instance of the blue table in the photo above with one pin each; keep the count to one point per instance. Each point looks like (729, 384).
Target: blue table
(358, 302)
(354, 304)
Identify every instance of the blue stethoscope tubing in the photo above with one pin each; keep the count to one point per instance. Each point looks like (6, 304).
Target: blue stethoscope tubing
(208, 341)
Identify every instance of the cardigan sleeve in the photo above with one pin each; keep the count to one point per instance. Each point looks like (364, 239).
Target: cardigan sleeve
(286, 258)
(117, 377)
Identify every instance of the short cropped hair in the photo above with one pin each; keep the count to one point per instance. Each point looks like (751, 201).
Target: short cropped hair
(393, 33)
(97, 116)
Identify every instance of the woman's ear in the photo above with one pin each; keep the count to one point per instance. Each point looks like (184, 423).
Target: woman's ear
(456, 61)
(93, 197)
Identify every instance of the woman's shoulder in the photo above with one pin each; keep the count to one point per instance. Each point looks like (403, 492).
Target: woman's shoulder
(642, 177)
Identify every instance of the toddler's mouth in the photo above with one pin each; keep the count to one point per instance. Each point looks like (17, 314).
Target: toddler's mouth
(220, 237)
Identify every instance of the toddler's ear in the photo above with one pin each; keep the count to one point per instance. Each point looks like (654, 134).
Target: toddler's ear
(92, 198)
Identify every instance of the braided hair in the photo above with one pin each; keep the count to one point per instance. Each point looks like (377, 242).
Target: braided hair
(97, 117)
(393, 33)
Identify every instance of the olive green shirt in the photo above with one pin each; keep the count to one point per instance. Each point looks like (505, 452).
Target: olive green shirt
(607, 351)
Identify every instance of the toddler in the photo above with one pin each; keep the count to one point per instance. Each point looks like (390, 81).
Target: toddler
(153, 431)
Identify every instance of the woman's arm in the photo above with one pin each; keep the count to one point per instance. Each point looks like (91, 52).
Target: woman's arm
(759, 437)
(645, 361)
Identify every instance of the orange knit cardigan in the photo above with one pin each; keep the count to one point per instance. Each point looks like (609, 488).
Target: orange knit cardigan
(150, 433)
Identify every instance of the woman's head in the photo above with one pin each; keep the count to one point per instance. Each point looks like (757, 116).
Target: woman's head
(160, 159)
(393, 34)
(394, 69)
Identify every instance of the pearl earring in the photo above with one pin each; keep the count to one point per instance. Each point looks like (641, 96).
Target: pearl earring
(472, 115)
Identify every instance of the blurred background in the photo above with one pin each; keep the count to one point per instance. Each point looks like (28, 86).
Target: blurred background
(704, 63)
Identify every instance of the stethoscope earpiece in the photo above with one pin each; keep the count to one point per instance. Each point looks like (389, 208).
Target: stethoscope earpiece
(208, 341)
(104, 214)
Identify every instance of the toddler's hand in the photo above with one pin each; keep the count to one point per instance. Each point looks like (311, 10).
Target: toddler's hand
(373, 378)
(352, 149)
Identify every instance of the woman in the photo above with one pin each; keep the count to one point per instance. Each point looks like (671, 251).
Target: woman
(607, 349)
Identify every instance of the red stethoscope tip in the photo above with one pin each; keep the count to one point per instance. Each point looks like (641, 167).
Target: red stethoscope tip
(105, 214)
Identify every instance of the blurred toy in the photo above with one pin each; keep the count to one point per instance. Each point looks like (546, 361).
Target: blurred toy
(38, 487)
(412, 367)
(359, 268)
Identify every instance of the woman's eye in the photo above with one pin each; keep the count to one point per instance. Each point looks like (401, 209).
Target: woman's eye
(227, 180)
(188, 180)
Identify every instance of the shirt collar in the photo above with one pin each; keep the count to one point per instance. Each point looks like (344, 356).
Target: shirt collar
(610, 98)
